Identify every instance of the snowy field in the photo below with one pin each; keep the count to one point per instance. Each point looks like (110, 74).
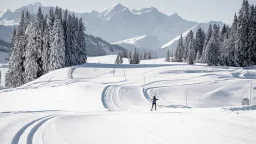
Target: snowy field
(103, 103)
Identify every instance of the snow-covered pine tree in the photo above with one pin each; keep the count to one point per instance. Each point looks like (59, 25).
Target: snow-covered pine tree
(207, 39)
(241, 51)
(189, 48)
(82, 55)
(9, 75)
(149, 55)
(31, 65)
(65, 21)
(213, 47)
(117, 61)
(179, 51)
(189, 43)
(120, 59)
(135, 58)
(223, 46)
(145, 55)
(69, 39)
(223, 33)
(46, 44)
(141, 56)
(26, 20)
(57, 52)
(191, 53)
(199, 41)
(198, 57)
(74, 41)
(39, 32)
(168, 56)
(232, 42)
(18, 55)
(130, 55)
(252, 36)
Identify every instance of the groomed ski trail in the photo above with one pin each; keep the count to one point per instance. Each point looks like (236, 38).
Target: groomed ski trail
(28, 133)
(125, 98)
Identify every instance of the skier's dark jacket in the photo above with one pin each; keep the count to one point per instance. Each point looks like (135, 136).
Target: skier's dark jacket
(154, 100)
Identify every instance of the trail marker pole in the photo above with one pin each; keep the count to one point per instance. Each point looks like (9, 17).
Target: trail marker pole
(124, 74)
(251, 94)
(144, 80)
(186, 98)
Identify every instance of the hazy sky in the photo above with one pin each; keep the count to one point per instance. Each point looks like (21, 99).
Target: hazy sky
(196, 10)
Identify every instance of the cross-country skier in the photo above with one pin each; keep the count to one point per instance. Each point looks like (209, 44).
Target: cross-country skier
(154, 102)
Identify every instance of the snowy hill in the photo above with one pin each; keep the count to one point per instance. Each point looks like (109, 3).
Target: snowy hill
(99, 99)
(173, 43)
(142, 43)
(97, 47)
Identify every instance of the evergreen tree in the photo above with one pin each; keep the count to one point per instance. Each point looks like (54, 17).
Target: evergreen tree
(188, 45)
(213, 47)
(232, 42)
(141, 56)
(189, 52)
(168, 59)
(10, 81)
(46, 45)
(69, 40)
(198, 57)
(57, 52)
(82, 55)
(120, 59)
(179, 51)
(145, 55)
(149, 55)
(207, 39)
(117, 61)
(223, 34)
(31, 65)
(241, 51)
(26, 20)
(39, 31)
(18, 54)
(199, 41)
(130, 55)
(252, 37)
(135, 58)
(74, 42)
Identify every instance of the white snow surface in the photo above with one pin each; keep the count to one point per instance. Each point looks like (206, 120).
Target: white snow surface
(177, 38)
(131, 40)
(100, 102)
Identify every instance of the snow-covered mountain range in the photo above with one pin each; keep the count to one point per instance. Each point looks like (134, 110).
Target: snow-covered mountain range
(146, 29)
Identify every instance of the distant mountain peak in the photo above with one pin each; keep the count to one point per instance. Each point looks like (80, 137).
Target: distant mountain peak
(31, 7)
(115, 9)
(3, 12)
(34, 5)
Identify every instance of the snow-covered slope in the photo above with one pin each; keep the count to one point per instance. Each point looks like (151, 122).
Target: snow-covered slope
(173, 43)
(206, 86)
(99, 99)
(131, 40)
(143, 43)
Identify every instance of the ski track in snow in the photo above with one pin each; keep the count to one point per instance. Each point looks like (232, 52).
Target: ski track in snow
(27, 132)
